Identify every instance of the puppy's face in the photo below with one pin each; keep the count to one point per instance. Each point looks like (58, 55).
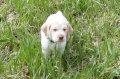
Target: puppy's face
(58, 32)
(57, 28)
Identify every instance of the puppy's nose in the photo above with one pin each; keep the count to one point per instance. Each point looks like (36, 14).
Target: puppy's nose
(61, 37)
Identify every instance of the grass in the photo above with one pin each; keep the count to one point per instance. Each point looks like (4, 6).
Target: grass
(92, 52)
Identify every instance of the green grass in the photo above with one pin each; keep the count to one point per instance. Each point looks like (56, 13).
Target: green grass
(92, 52)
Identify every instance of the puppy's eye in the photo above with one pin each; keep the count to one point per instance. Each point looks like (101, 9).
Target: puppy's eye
(54, 29)
(64, 29)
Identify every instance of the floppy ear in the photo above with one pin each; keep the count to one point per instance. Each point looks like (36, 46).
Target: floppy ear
(69, 32)
(44, 28)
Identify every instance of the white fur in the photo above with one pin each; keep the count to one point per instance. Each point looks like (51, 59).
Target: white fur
(55, 28)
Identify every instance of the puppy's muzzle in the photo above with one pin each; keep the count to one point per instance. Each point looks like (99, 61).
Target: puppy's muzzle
(61, 37)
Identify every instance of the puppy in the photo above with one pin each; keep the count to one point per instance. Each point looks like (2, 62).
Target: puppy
(55, 32)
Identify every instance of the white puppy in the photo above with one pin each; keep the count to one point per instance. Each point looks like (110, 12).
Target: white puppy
(54, 33)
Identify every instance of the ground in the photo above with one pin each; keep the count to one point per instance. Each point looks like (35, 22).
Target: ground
(93, 51)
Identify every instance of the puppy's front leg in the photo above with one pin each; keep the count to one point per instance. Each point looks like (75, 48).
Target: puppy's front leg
(45, 53)
(61, 47)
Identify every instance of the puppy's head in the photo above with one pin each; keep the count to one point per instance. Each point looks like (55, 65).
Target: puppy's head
(57, 28)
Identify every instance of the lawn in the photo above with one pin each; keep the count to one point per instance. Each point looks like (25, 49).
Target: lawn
(93, 51)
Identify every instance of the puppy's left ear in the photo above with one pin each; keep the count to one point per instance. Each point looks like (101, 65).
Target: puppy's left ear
(69, 32)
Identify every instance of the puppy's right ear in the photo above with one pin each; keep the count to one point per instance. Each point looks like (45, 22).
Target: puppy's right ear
(44, 28)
